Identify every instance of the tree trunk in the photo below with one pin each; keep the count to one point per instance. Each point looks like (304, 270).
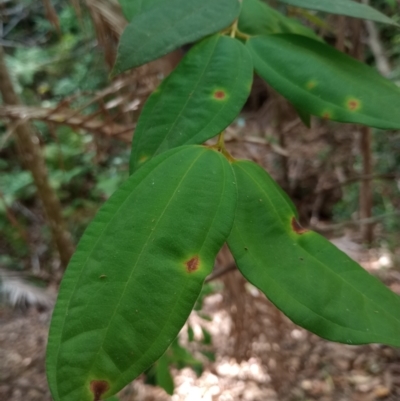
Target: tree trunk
(32, 159)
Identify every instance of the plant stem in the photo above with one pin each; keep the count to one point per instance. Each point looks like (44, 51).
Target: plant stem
(234, 29)
(32, 158)
(220, 146)
(242, 35)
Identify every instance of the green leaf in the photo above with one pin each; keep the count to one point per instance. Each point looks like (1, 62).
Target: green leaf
(182, 357)
(190, 333)
(138, 271)
(130, 8)
(324, 82)
(257, 18)
(343, 7)
(163, 375)
(207, 339)
(197, 101)
(303, 274)
(168, 25)
(304, 117)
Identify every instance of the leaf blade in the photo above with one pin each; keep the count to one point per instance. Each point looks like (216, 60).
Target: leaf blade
(162, 29)
(343, 7)
(135, 277)
(163, 375)
(304, 275)
(257, 18)
(310, 87)
(130, 8)
(185, 109)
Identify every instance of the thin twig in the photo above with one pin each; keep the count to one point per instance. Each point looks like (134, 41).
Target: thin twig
(377, 49)
(369, 220)
(260, 141)
(357, 179)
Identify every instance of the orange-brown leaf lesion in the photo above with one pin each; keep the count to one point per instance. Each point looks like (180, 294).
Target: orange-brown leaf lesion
(219, 94)
(297, 228)
(98, 388)
(192, 264)
(353, 104)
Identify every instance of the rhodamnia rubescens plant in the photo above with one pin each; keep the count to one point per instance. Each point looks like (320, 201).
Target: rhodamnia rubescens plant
(141, 263)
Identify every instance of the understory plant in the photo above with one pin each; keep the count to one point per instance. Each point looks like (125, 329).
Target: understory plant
(141, 264)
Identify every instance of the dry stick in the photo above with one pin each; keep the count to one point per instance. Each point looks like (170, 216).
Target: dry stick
(383, 67)
(284, 160)
(51, 15)
(365, 151)
(32, 158)
(85, 122)
(352, 180)
(341, 33)
(366, 185)
(376, 47)
(369, 220)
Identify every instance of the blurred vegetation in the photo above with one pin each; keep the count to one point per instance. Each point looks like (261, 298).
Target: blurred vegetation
(48, 66)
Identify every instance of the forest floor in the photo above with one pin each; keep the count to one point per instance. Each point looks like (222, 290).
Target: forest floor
(259, 354)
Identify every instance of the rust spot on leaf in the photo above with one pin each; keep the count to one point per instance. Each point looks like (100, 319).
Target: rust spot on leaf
(143, 158)
(192, 264)
(326, 115)
(98, 388)
(353, 104)
(219, 95)
(297, 228)
(311, 85)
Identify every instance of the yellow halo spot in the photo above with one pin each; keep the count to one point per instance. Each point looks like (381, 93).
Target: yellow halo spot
(219, 94)
(192, 264)
(143, 158)
(353, 104)
(326, 115)
(311, 84)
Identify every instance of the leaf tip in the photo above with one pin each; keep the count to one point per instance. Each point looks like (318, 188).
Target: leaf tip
(98, 388)
(114, 72)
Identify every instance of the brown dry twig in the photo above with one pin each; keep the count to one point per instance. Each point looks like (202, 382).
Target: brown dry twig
(104, 121)
(109, 24)
(67, 117)
(369, 220)
(357, 179)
